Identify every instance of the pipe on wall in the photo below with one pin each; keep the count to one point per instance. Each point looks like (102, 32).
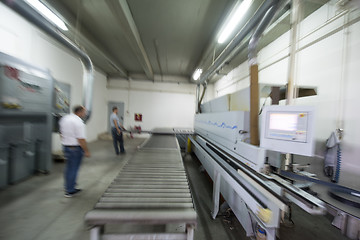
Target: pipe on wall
(263, 16)
(254, 74)
(202, 97)
(254, 40)
(261, 19)
(34, 17)
(250, 25)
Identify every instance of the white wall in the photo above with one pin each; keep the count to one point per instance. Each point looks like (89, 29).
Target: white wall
(161, 104)
(23, 40)
(97, 122)
(329, 61)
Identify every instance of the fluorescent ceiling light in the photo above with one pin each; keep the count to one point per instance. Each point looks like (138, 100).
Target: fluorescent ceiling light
(234, 19)
(197, 74)
(47, 13)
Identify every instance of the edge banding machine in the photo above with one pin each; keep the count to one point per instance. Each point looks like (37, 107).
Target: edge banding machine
(241, 172)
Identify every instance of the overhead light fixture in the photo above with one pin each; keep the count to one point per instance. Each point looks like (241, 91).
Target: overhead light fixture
(47, 13)
(197, 74)
(233, 20)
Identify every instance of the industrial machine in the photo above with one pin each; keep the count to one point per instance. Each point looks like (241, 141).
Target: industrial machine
(247, 175)
(26, 119)
(151, 189)
(61, 102)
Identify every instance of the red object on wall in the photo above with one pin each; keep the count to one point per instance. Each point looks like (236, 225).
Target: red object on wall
(11, 72)
(138, 117)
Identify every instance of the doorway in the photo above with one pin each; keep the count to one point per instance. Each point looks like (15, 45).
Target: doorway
(120, 106)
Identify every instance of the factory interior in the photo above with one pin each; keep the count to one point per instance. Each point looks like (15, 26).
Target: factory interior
(239, 119)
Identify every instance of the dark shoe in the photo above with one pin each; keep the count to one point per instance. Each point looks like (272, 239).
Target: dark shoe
(71, 194)
(123, 152)
(68, 195)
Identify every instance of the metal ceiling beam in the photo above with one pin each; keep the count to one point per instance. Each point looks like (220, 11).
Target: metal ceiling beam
(89, 43)
(122, 13)
(211, 45)
(84, 37)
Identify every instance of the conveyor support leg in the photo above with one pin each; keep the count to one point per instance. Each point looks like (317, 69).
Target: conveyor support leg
(188, 146)
(216, 194)
(95, 233)
(190, 231)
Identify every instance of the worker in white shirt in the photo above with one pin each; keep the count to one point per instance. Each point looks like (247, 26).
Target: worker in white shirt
(73, 139)
(116, 131)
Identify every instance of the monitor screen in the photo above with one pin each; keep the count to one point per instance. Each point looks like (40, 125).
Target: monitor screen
(288, 129)
(287, 126)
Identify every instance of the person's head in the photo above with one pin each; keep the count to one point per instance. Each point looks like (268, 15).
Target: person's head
(79, 111)
(115, 110)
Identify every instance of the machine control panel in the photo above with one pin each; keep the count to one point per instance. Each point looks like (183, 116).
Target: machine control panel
(290, 126)
(288, 129)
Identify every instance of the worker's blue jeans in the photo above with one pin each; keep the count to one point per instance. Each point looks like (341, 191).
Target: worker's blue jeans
(117, 138)
(73, 157)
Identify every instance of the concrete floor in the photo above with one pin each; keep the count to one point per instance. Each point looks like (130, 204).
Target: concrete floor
(36, 209)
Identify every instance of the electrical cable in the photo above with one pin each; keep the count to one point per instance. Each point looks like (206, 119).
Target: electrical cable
(261, 109)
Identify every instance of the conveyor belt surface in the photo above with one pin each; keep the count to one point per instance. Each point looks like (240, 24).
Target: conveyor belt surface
(161, 141)
(151, 188)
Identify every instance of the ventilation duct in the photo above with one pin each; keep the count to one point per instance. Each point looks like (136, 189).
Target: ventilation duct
(88, 77)
(233, 45)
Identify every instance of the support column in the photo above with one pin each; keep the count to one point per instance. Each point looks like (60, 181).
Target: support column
(296, 12)
(254, 105)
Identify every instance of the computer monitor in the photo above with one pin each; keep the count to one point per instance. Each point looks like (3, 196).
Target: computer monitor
(288, 129)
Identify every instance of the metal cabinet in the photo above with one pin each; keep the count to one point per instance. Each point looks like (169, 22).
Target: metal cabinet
(4, 157)
(26, 119)
(21, 160)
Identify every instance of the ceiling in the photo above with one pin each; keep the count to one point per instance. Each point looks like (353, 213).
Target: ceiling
(159, 40)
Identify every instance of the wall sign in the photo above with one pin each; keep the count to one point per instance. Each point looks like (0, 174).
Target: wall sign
(138, 117)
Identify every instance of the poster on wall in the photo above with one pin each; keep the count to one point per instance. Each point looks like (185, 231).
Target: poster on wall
(138, 117)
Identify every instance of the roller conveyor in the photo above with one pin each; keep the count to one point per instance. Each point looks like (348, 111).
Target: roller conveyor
(154, 194)
(152, 188)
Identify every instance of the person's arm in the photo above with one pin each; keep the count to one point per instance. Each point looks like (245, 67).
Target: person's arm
(122, 127)
(84, 147)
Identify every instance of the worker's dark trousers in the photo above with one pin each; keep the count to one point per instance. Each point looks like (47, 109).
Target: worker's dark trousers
(117, 139)
(73, 156)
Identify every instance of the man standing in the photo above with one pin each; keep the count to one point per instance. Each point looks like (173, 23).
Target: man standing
(116, 132)
(73, 139)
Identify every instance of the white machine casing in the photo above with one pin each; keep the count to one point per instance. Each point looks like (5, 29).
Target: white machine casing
(231, 130)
